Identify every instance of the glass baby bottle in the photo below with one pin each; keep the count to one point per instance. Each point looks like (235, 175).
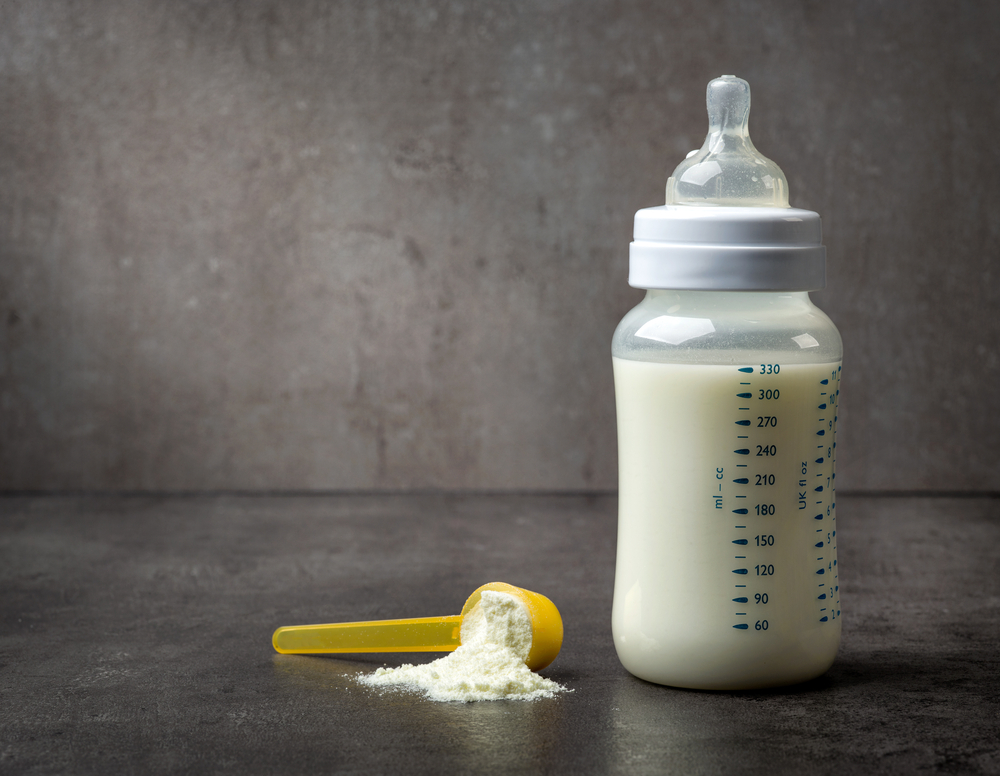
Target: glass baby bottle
(726, 385)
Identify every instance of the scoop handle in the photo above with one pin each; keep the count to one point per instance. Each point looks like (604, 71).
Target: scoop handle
(423, 634)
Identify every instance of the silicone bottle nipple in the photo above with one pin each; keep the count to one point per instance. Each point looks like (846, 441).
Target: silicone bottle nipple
(425, 634)
(727, 169)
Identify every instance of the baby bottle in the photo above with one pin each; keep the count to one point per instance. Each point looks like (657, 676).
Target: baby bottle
(726, 384)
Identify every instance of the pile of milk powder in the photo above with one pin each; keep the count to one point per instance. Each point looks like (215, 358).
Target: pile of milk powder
(488, 666)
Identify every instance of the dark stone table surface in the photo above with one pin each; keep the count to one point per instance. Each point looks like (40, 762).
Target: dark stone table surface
(135, 638)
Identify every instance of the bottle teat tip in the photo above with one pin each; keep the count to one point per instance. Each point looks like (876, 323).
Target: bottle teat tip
(728, 170)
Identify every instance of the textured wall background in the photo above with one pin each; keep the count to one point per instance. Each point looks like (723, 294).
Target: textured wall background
(384, 245)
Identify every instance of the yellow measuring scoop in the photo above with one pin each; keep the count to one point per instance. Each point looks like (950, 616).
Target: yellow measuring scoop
(424, 634)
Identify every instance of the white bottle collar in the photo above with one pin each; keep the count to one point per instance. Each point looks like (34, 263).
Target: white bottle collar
(708, 248)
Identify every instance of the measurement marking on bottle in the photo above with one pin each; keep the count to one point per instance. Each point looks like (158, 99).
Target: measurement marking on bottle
(777, 461)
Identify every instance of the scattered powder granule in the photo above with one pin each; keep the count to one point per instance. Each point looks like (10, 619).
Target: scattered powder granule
(488, 666)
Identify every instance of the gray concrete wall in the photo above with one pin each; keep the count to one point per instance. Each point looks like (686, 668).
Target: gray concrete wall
(384, 245)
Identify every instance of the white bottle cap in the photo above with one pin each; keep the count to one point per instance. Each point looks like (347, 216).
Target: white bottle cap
(727, 225)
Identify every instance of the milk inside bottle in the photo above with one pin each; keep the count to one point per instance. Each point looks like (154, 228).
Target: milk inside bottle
(727, 385)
